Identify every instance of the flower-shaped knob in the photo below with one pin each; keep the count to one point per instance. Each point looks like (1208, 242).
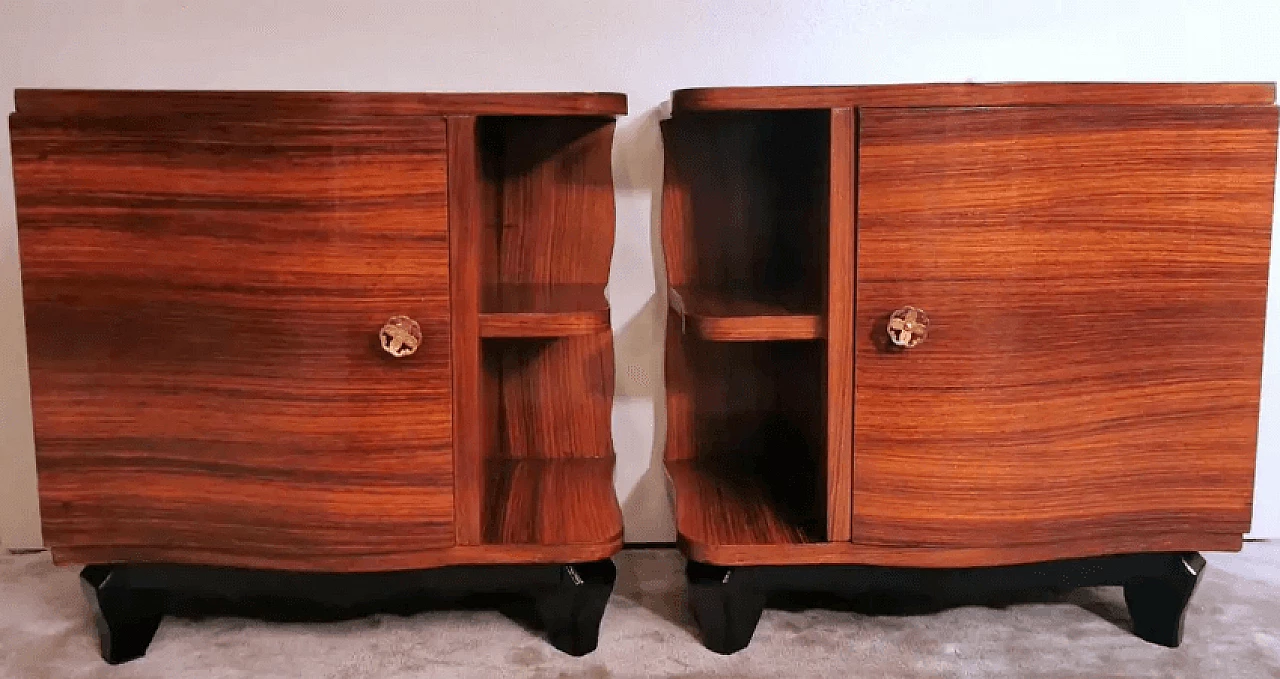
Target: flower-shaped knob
(401, 336)
(908, 326)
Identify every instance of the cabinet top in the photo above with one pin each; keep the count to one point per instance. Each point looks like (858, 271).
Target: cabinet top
(971, 94)
(117, 103)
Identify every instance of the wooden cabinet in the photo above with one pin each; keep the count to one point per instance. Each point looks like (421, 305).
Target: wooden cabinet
(1091, 262)
(320, 332)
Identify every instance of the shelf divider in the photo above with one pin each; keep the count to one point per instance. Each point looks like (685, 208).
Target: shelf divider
(717, 316)
(537, 310)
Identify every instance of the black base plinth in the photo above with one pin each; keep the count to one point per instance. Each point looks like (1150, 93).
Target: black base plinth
(130, 600)
(727, 602)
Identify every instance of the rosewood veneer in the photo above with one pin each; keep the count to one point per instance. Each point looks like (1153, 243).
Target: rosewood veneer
(964, 327)
(320, 334)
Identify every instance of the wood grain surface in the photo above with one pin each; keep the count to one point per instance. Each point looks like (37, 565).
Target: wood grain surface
(969, 94)
(466, 254)
(944, 556)
(842, 250)
(264, 105)
(720, 316)
(739, 226)
(202, 300)
(522, 310)
(1094, 260)
(356, 562)
(1096, 281)
(746, 252)
(566, 382)
(716, 506)
(553, 502)
(550, 189)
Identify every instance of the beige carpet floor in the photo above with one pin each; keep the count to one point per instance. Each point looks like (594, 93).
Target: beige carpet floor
(1233, 631)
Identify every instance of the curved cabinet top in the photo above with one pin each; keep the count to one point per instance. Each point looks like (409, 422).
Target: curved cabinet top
(129, 103)
(970, 94)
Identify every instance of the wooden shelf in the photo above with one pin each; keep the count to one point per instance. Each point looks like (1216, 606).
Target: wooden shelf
(716, 506)
(543, 311)
(713, 315)
(564, 501)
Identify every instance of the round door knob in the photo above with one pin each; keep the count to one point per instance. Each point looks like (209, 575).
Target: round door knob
(401, 336)
(908, 326)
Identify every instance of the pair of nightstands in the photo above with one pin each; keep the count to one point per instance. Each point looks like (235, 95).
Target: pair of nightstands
(278, 337)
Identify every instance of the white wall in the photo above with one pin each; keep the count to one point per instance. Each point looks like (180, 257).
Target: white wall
(642, 47)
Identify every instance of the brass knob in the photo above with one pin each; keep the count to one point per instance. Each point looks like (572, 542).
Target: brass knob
(908, 326)
(401, 336)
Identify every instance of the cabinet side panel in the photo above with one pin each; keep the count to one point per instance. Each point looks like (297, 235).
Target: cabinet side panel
(1095, 278)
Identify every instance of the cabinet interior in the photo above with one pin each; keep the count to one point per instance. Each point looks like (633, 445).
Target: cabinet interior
(547, 353)
(745, 212)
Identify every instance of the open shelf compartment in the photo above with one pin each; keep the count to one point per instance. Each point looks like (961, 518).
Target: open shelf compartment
(545, 461)
(745, 214)
(747, 463)
(747, 206)
(548, 471)
(548, 215)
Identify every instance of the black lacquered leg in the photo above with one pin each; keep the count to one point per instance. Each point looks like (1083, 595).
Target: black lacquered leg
(725, 604)
(571, 612)
(1158, 603)
(127, 618)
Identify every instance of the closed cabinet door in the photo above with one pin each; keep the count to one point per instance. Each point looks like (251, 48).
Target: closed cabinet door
(1059, 325)
(205, 301)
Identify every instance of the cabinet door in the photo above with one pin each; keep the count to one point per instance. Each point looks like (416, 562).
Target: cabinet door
(203, 302)
(1095, 282)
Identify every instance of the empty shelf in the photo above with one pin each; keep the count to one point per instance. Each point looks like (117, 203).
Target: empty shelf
(714, 315)
(720, 507)
(543, 311)
(564, 501)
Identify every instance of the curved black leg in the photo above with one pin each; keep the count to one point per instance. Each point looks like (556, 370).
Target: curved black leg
(127, 618)
(1158, 603)
(725, 604)
(571, 612)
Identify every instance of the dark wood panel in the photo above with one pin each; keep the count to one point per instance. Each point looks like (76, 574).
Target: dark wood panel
(717, 316)
(553, 502)
(970, 94)
(466, 231)
(203, 300)
(543, 310)
(1096, 280)
(842, 249)
(265, 105)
